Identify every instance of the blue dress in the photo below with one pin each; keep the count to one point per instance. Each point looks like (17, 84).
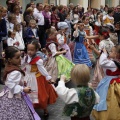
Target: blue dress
(80, 55)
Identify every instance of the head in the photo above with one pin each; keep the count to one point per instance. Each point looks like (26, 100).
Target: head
(80, 74)
(75, 10)
(63, 26)
(16, 10)
(11, 34)
(30, 11)
(4, 12)
(61, 8)
(71, 5)
(17, 27)
(54, 9)
(85, 19)
(12, 18)
(110, 12)
(81, 26)
(32, 23)
(51, 33)
(32, 48)
(68, 17)
(13, 56)
(39, 6)
(118, 8)
(46, 7)
(115, 52)
(32, 4)
(103, 34)
(100, 16)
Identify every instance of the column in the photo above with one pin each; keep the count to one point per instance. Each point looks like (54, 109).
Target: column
(115, 3)
(95, 3)
(63, 2)
(84, 3)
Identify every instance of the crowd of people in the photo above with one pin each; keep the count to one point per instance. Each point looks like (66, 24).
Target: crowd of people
(47, 46)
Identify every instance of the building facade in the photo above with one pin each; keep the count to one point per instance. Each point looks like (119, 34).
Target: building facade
(84, 3)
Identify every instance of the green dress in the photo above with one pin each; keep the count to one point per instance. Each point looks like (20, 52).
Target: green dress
(85, 105)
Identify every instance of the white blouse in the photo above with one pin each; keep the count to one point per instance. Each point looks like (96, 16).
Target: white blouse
(70, 96)
(13, 82)
(107, 63)
(10, 42)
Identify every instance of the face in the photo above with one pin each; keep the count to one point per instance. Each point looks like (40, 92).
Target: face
(81, 26)
(18, 27)
(31, 50)
(4, 13)
(13, 35)
(16, 60)
(113, 53)
(13, 20)
(101, 37)
(32, 25)
(40, 7)
(118, 8)
(86, 21)
(53, 36)
(17, 12)
(46, 8)
(112, 13)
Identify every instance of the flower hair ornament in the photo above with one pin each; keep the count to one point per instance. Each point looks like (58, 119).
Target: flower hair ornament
(105, 34)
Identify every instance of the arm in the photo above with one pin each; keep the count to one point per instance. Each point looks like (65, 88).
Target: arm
(106, 63)
(42, 69)
(12, 82)
(67, 95)
(92, 37)
(76, 32)
(28, 34)
(52, 47)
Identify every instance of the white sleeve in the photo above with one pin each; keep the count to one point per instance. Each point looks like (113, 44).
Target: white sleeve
(12, 82)
(60, 39)
(9, 42)
(67, 95)
(52, 48)
(107, 63)
(97, 98)
(42, 69)
(101, 46)
(104, 17)
(76, 33)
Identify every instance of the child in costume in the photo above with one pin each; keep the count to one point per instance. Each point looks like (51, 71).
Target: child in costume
(80, 55)
(57, 64)
(106, 43)
(14, 102)
(79, 101)
(61, 39)
(38, 79)
(108, 88)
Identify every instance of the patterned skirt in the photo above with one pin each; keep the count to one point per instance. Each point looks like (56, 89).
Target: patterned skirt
(14, 108)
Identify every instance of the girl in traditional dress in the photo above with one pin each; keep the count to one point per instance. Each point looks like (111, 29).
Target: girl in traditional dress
(109, 87)
(19, 36)
(80, 55)
(57, 64)
(38, 79)
(89, 32)
(80, 100)
(107, 44)
(14, 102)
(61, 39)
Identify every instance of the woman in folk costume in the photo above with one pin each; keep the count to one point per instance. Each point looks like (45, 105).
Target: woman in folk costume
(14, 102)
(38, 79)
(89, 31)
(109, 87)
(104, 43)
(109, 19)
(57, 64)
(61, 39)
(80, 55)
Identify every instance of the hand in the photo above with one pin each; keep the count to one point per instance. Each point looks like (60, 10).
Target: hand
(63, 78)
(104, 50)
(64, 51)
(51, 82)
(17, 43)
(91, 47)
(33, 36)
(90, 85)
(27, 90)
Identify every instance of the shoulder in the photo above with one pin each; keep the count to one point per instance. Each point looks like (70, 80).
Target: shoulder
(14, 73)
